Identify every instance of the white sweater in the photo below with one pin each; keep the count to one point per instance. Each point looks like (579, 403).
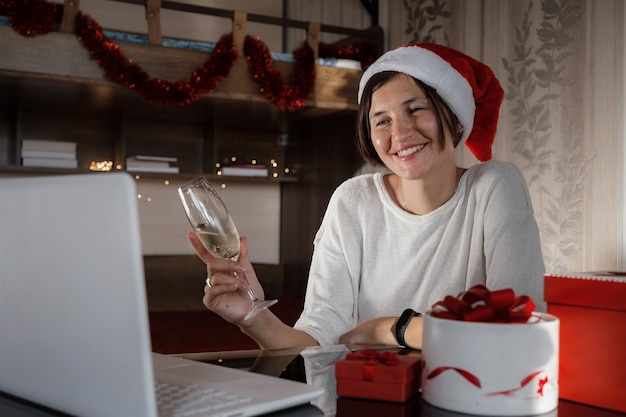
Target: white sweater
(372, 259)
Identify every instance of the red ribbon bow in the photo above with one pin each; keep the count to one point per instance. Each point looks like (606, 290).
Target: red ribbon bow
(373, 358)
(480, 304)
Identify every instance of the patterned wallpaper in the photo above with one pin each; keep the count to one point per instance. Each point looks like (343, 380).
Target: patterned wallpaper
(561, 63)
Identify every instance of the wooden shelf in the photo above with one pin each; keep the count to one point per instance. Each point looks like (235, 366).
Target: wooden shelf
(50, 89)
(60, 56)
(22, 170)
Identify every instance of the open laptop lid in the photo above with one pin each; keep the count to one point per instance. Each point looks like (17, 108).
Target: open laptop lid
(73, 327)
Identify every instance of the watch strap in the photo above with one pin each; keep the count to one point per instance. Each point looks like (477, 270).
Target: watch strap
(403, 323)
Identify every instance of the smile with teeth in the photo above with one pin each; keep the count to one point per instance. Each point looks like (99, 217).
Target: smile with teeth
(411, 150)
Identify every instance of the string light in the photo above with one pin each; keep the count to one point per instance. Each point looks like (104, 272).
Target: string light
(272, 163)
(101, 166)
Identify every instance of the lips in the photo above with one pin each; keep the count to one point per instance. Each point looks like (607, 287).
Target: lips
(411, 150)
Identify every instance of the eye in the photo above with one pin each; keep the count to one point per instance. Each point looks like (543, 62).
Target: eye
(381, 122)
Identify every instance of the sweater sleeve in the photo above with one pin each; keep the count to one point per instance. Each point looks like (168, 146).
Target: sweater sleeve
(330, 307)
(512, 244)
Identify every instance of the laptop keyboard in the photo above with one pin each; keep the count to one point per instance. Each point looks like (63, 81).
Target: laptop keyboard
(189, 400)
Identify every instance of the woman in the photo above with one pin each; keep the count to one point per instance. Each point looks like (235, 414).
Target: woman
(403, 240)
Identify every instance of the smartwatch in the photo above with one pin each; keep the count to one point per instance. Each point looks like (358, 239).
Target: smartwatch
(403, 323)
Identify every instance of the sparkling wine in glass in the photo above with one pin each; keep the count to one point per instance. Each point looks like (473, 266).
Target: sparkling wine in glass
(215, 228)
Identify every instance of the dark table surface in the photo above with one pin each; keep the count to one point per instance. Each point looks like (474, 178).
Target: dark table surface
(315, 366)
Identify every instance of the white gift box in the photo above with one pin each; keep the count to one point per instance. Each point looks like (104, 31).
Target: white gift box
(504, 369)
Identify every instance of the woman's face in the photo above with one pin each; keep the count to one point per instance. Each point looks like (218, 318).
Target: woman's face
(405, 132)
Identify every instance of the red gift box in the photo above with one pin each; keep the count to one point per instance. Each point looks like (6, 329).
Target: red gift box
(592, 311)
(375, 375)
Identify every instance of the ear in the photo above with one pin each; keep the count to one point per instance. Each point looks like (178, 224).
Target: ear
(458, 134)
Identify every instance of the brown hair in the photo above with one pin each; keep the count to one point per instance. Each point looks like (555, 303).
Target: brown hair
(364, 140)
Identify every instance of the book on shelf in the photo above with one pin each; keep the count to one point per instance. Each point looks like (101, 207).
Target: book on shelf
(251, 170)
(145, 163)
(48, 145)
(131, 160)
(152, 168)
(153, 158)
(50, 162)
(34, 153)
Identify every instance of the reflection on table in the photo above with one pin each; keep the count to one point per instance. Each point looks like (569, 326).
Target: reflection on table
(316, 366)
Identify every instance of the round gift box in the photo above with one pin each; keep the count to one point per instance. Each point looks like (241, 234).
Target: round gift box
(504, 369)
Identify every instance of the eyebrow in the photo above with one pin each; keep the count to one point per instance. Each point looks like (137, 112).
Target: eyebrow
(405, 102)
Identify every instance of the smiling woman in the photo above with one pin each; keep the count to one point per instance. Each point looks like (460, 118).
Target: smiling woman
(410, 138)
(422, 228)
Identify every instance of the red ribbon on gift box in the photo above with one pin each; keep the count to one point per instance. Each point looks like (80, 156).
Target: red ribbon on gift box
(480, 304)
(373, 358)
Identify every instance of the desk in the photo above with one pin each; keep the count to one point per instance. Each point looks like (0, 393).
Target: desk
(316, 366)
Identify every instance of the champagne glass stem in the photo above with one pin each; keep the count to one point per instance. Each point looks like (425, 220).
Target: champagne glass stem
(251, 293)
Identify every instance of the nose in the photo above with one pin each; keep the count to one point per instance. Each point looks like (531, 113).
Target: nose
(401, 129)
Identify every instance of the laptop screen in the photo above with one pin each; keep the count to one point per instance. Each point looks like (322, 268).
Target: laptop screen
(72, 297)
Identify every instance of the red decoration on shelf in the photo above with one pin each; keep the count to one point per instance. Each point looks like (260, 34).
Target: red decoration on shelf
(364, 52)
(480, 304)
(32, 17)
(285, 97)
(120, 69)
(39, 17)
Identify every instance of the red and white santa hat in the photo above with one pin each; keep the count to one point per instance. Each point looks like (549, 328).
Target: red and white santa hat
(469, 87)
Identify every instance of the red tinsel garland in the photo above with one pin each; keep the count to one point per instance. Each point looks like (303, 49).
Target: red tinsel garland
(38, 17)
(285, 97)
(32, 17)
(363, 52)
(123, 71)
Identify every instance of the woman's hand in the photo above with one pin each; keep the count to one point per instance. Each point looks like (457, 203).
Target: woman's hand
(227, 293)
(379, 331)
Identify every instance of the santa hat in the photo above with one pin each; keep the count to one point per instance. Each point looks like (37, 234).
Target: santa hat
(469, 87)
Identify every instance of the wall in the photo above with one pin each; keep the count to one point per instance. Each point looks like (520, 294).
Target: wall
(131, 18)
(174, 24)
(255, 208)
(162, 221)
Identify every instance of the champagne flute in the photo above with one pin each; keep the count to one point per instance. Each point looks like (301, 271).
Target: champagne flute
(215, 228)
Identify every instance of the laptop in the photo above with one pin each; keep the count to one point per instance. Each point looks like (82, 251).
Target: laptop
(74, 333)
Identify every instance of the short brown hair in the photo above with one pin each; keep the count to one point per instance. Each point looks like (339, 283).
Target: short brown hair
(363, 131)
